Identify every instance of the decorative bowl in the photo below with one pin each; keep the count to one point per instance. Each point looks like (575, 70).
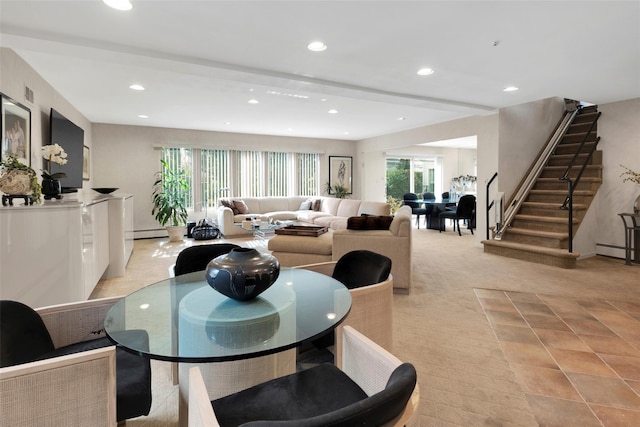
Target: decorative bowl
(243, 273)
(104, 190)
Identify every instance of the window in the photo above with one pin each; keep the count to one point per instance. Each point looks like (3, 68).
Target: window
(215, 174)
(409, 176)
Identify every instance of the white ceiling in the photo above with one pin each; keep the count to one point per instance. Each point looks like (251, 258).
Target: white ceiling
(202, 61)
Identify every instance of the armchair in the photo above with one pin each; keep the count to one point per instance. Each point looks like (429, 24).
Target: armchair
(58, 368)
(375, 387)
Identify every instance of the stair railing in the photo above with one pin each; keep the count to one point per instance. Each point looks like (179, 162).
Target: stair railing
(535, 171)
(572, 184)
(490, 205)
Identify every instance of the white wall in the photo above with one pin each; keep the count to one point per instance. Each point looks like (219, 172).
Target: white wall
(129, 157)
(15, 74)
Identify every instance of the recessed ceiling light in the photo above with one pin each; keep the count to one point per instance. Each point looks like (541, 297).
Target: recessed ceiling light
(317, 46)
(510, 89)
(136, 87)
(333, 111)
(143, 116)
(345, 133)
(425, 71)
(227, 123)
(119, 4)
(402, 118)
(254, 101)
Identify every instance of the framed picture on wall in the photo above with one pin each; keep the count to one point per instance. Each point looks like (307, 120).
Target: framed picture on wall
(16, 131)
(86, 162)
(340, 174)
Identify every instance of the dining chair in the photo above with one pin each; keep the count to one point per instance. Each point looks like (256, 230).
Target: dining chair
(369, 386)
(465, 210)
(54, 371)
(410, 199)
(195, 258)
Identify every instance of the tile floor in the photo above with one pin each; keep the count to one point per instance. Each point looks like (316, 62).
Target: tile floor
(577, 361)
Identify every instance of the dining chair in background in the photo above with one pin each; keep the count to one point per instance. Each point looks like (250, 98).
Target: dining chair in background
(410, 199)
(465, 210)
(195, 258)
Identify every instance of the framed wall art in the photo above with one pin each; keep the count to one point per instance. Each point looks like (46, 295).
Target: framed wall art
(86, 163)
(16, 130)
(340, 174)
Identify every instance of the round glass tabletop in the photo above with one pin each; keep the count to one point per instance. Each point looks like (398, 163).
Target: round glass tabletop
(188, 321)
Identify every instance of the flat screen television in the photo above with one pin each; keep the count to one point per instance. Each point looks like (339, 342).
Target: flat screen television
(71, 137)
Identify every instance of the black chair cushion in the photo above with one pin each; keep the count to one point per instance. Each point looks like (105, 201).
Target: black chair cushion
(319, 396)
(133, 372)
(196, 258)
(23, 335)
(369, 222)
(361, 268)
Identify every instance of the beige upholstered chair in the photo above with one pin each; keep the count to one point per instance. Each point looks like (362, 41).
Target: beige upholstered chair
(363, 361)
(73, 390)
(371, 309)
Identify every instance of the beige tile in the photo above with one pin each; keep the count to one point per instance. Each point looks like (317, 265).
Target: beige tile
(515, 334)
(524, 297)
(605, 391)
(610, 345)
(537, 321)
(580, 361)
(626, 367)
(615, 417)
(595, 304)
(588, 327)
(621, 323)
(497, 304)
(505, 318)
(635, 385)
(491, 294)
(533, 308)
(527, 354)
(552, 412)
(627, 306)
(560, 339)
(545, 382)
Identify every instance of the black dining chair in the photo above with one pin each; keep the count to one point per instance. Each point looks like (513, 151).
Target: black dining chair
(25, 338)
(465, 210)
(195, 258)
(410, 199)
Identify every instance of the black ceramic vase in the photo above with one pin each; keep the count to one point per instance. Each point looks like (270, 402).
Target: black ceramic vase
(243, 273)
(51, 189)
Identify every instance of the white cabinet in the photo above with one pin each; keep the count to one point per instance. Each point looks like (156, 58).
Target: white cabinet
(41, 253)
(95, 243)
(57, 252)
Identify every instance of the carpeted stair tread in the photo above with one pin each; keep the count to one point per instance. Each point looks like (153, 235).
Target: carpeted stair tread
(538, 233)
(563, 192)
(547, 205)
(561, 253)
(582, 179)
(548, 219)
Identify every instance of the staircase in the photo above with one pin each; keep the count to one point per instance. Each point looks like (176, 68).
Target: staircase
(539, 231)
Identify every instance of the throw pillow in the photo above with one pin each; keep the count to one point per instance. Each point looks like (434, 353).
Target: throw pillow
(369, 222)
(229, 204)
(241, 207)
(305, 206)
(316, 205)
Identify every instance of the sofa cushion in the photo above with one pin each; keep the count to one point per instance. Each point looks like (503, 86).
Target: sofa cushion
(282, 215)
(326, 221)
(310, 216)
(374, 208)
(241, 207)
(369, 222)
(349, 208)
(305, 206)
(229, 204)
(316, 205)
(321, 245)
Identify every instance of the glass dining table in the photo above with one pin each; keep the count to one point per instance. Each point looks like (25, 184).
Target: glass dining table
(236, 344)
(434, 207)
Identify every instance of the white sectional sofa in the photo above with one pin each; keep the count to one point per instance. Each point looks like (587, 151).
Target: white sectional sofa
(330, 212)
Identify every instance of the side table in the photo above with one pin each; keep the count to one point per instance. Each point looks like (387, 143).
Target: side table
(631, 237)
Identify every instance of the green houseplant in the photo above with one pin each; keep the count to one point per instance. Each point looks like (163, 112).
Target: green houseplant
(169, 198)
(338, 190)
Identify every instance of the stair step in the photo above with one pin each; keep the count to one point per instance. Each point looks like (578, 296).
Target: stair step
(550, 209)
(566, 159)
(591, 183)
(578, 137)
(546, 239)
(559, 196)
(573, 147)
(543, 223)
(548, 256)
(556, 171)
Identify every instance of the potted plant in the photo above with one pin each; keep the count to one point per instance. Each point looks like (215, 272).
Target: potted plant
(50, 181)
(169, 198)
(16, 178)
(338, 190)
